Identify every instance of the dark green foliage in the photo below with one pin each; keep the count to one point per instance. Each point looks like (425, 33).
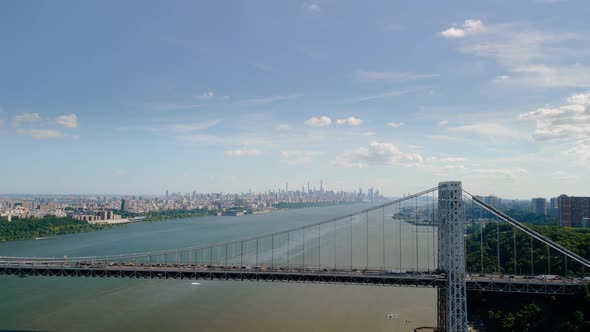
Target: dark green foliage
(544, 313)
(46, 226)
(515, 312)
(575, 239)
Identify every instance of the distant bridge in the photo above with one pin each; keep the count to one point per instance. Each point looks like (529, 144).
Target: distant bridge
(415, 241)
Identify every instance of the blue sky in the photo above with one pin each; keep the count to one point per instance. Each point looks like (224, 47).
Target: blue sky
(144, 96)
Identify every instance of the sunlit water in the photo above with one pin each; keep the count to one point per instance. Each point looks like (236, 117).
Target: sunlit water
(94, 304)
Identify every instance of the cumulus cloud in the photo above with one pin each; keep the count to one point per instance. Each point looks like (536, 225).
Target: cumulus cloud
(388, 154)
(351, 121)
(311, 7)
(297, 157)
(395, 124)
(42, 133)
(390, 77)
(378, 153)
(68, 121)
(243, 153)
(469, 27)
(443, 122)
(567, 121)
(282, 126)
(323, 121)
(27, 117)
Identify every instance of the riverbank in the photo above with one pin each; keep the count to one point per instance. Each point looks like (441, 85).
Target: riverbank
(47, 226)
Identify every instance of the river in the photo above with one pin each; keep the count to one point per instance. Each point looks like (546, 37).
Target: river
(94, 304)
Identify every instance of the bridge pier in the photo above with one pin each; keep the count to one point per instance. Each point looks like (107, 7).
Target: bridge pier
(452, 301)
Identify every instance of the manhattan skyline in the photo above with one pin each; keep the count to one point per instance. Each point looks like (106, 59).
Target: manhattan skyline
(137, 97)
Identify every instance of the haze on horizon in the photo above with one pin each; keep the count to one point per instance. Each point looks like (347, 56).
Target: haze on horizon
(140, 96)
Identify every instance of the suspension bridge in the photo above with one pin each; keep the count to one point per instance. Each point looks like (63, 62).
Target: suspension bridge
(414, 241)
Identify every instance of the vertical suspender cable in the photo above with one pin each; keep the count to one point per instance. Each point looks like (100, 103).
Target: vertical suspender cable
(367, 230)
(532, 260)
(498, 244)
(416, 228)
(399, 208)
(351, 242)
(383, 238)
(514, 245)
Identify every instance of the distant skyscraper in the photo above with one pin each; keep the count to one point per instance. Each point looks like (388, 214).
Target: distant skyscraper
(167, 194)
(573, 210)
(553, 208)
(123, 201)
(538, 205)
(321, 187)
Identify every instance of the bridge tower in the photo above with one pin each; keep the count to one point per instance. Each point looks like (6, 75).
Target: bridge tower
(452, 301)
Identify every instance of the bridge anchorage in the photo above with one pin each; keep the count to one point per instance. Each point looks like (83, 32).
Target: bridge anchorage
(415, 241)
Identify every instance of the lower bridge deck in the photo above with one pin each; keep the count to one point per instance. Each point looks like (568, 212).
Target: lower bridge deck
(515, 284)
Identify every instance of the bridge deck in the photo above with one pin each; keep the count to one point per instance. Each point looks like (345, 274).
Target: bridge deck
(490, 283)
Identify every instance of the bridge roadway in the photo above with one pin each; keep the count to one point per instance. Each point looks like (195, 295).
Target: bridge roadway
(493, 283)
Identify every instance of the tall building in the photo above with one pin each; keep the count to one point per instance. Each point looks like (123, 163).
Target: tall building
(553, 208)
(539, 205)
(572, 210)
(123, 201)
(491, 200)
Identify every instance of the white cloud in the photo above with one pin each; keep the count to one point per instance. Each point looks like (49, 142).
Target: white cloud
(265, 100)
(489, 129)
(469, 27)
(395, 124)
(502, 173)
(378, 153)
(323, 121)
(390, 77)
(68, 121)
(206, 95)
(581, 152)
(27, 117)
(443, 122)
(568, 121)
(311, 7)
(194, 126)
(42, 134)
(243, 153)
(533, 57)
(561, 175)
(351, 121)
(282, 126)
(297, 157)
(501, 78)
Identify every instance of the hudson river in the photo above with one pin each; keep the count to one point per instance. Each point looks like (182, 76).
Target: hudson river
(94, 304)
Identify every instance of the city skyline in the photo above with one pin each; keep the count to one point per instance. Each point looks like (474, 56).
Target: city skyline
(232, 96)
